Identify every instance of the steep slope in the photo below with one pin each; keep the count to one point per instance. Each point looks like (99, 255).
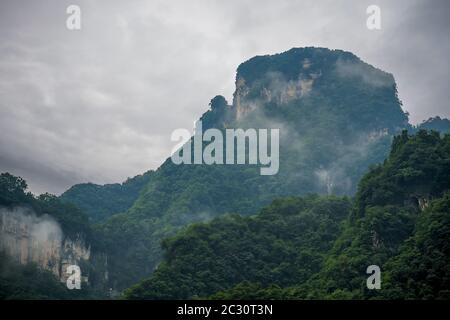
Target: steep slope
(317, 247)
(335, 113)
(388, 218)
(336, 116)
(425, 258)
(284, 244)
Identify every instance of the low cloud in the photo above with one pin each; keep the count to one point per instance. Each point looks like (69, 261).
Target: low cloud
(100, 104)
(28, 237)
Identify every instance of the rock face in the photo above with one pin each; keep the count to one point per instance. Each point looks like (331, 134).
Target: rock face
(274, 88)
(336, 116)
(29, 238)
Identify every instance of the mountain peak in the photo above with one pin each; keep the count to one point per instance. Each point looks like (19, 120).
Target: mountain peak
(316, 76)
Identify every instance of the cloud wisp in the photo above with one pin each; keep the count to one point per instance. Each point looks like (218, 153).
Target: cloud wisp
(99, 104)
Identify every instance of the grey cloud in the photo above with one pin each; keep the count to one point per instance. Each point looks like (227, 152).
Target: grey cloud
(99, 104)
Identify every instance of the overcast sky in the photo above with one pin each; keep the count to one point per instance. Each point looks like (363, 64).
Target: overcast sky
(99, 104)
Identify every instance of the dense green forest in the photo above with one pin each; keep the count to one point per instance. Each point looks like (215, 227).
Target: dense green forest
(353, 189)
(334, 124)
(100, 202)
(284, 244)
(337, 116)
(319, 247)
(31, 282)
(310, 247)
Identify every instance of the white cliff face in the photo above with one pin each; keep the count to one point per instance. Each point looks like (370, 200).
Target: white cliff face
(29, 238)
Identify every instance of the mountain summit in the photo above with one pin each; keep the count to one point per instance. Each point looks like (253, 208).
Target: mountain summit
(336, 115)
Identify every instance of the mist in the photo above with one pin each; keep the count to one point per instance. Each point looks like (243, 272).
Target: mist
(98, 105)
(28, 237)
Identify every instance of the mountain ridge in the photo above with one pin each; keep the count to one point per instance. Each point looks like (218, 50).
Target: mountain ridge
(319, 247)
(338, 116)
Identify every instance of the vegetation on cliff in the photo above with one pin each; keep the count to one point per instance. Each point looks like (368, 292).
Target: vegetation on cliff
(319, 247)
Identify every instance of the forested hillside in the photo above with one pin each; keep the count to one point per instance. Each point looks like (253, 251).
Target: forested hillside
(100, 202)
(320, 247)
(336, 116)
(284, 244)
(357, 185)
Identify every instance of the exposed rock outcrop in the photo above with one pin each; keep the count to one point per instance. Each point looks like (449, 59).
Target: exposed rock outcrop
(28, 238)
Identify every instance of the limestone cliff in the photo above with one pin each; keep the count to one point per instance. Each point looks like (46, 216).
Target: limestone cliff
(30, 238)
